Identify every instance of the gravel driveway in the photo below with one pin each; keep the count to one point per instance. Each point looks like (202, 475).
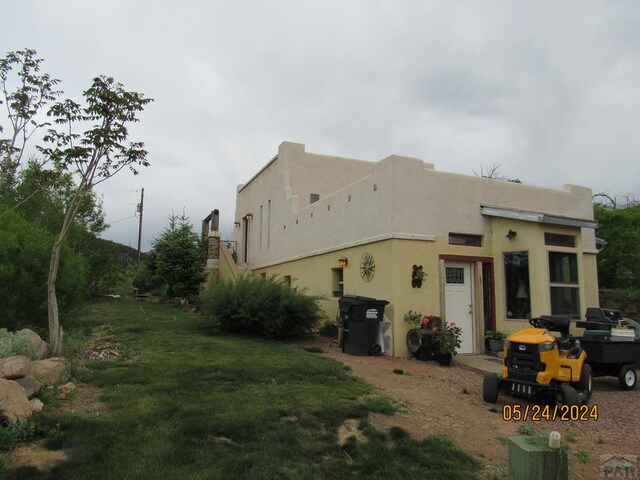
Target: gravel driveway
(448, 401)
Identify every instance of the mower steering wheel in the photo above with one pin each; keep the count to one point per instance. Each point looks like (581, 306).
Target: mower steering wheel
(539, 323)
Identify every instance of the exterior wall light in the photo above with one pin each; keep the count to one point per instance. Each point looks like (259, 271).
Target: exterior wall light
(249, 216)
(343, 261)
(236, 224)
(512, 234)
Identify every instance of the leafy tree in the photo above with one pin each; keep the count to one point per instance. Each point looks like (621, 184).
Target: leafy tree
(179, 258)
(111, 265)
(26, 92)
(25, 248)
(43, 197)
(75, 162)
(148, 280)
(619, 261)
(92, 157)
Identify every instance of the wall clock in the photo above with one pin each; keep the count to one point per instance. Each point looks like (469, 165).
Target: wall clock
(367, 267)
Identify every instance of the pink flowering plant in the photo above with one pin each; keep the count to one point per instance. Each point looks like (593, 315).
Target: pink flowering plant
(447, 339)
(431, 322)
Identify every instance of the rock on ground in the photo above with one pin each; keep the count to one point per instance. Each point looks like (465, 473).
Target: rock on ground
(65, 390)
(14, 403)
(30, 384)
(14, 367)
(36, 405)
(39, 346)
(47, 372)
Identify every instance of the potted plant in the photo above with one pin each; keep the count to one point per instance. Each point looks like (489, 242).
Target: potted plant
(496, 340)
(419, 337)
(447, 341)
(413, 318)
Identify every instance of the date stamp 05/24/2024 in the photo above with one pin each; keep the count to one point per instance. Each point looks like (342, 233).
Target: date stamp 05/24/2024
(540, 413)
(624, 466)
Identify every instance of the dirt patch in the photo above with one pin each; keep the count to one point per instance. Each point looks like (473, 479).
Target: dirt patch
(349, 429)
(33, 454)
(86, 399)
(447, 401)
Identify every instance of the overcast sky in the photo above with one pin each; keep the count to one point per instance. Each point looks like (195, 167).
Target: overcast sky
(549, 90)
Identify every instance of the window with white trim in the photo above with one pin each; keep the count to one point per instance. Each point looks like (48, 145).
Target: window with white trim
(563, 282)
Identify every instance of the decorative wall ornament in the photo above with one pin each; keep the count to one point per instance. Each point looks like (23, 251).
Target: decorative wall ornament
(417, 276)
(367, 267)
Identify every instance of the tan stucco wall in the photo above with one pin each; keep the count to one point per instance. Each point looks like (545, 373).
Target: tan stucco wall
(366, 201)
(285, 225)
(228, 270)
(401, 210)
(392, 281)
(315, 273)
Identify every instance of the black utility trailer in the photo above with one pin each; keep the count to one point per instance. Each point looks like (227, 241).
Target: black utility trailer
(607, 357)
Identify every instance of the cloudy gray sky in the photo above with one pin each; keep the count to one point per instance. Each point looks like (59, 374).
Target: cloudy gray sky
(549, 90)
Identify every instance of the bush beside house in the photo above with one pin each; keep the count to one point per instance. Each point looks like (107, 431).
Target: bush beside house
(265, 307)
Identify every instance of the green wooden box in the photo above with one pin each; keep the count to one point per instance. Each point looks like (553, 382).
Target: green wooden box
(531, 458)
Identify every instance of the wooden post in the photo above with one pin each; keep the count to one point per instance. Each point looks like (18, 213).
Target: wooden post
(531, 458)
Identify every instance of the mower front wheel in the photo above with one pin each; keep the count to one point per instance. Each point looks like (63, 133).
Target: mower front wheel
(568, 395)
(490, 388)
(585, 385)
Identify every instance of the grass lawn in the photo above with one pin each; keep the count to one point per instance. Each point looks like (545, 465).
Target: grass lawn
(189, 403)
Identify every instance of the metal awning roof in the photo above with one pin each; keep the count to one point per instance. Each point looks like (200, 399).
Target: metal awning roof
(536, 217)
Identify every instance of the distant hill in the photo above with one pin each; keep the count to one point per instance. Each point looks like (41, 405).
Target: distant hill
(124, 255)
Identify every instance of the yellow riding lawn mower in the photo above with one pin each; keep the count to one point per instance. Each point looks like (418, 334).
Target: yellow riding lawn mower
(540, 365)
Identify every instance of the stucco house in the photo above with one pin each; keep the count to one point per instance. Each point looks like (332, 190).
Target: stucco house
(492, 253)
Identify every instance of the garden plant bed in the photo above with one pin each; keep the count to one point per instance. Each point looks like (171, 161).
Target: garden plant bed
(448, 401)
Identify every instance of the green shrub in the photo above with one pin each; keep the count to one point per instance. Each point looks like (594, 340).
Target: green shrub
(23, 430)
(527, 429)
(25, 251)
(381, 405)
(583, 456)
(14, 344)
(266, 307)
(313, 349)
(328, 329)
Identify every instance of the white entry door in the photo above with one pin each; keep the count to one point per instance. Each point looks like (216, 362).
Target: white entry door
(458, 301)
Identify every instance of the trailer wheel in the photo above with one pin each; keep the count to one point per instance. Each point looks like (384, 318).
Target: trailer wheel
(627, 378)
(585, 385)
(490, 388)
(568, 395)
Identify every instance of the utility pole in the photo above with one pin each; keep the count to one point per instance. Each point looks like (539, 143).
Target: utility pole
(140, 209)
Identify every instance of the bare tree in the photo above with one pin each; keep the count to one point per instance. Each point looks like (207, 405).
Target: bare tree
(493, 171)
(612, 200)
(490, 171)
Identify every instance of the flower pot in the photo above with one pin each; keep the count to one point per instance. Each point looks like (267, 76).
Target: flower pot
(495, 346)
(445, 359)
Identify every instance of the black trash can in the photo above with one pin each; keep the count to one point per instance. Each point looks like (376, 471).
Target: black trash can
(361, 317)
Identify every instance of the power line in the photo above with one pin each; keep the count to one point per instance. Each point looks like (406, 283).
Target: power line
(121, 220)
